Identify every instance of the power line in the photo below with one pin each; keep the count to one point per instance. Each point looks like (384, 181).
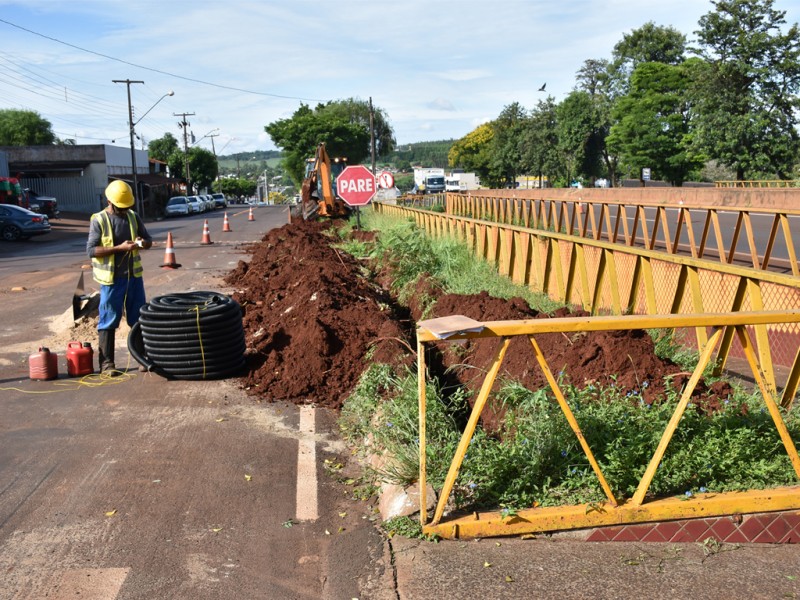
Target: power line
(216, 85)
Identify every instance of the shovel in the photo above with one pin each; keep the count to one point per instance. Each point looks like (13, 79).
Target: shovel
(83, 304)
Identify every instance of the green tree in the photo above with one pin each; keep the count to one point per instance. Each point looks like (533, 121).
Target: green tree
(505, 149)
(596, 77)
(578, 134)
(202, 167)
(538, 144)
(163, 147)
(650, 43)
(166, 149)
(24, 128)
(340, 125)
(746, 92)
(653, 127)
(235, 188)
(358, 112)
(473, 151)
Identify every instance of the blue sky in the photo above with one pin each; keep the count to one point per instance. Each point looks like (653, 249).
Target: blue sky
(438, 68)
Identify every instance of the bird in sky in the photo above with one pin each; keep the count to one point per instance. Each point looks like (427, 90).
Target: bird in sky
(544, 85)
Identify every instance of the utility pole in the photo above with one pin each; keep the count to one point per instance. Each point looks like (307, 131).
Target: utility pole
(372, 133)
(128, 83)
(185, 124)
(214, 150)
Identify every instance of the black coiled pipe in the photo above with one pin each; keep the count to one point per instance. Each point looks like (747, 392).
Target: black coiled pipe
(193, 335)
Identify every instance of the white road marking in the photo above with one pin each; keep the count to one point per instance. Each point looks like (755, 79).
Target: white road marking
(307, 509)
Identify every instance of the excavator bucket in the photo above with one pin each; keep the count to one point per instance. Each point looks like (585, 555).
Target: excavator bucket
(83, 304)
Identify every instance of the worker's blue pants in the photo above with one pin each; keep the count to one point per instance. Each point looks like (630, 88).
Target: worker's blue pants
(127, 293)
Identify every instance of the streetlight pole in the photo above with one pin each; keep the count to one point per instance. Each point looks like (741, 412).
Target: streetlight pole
(216, 160)
(128, 83)
(184, 124)
(132, 123)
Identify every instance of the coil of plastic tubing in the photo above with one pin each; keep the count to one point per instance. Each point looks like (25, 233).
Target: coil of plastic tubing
(192, 335)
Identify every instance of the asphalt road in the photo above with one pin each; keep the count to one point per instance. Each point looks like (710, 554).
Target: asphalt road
(145, 488)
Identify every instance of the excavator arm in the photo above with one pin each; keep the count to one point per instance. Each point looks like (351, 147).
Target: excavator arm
(317, 194)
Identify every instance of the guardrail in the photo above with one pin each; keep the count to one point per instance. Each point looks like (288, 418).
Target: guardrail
(758, 232)
(607, 278)
(614, 510)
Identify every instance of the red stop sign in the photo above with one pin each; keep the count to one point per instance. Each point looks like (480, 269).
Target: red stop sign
(356, 185)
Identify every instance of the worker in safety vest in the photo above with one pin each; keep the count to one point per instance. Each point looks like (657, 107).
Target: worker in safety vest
(116, 235)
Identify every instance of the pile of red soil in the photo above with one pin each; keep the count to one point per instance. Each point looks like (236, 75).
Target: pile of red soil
(622, 359)
(313, 313)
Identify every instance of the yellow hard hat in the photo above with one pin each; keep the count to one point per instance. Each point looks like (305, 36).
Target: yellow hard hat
(119, 194)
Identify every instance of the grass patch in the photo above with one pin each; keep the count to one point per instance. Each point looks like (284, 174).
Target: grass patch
(535, 458)
(408, 252)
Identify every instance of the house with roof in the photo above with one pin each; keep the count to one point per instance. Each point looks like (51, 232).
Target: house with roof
(78, 174)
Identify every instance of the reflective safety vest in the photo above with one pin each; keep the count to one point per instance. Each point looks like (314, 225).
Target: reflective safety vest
(103, 266)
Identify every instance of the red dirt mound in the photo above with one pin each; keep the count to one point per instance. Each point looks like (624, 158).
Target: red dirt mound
(624, 359)
(313, 315)
(310, 317)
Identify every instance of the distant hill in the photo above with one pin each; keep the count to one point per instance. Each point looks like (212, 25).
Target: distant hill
(427, 154)
(254, 155)
(250, 163)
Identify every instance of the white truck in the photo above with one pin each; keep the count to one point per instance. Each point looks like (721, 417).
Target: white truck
(461, 182)
(428, 180)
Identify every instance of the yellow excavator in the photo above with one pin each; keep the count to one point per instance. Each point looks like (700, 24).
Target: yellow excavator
(318, 195)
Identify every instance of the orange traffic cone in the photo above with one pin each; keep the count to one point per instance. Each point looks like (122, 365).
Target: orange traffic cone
(169, 255)
(251, 217)
(226, 226)
(206, 234)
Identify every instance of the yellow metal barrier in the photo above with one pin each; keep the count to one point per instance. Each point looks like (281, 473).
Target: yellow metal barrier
(758, 233)
(603, 277)
(613, 510)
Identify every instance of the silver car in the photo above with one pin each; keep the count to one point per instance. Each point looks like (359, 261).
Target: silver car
(177, 206)
(198, 206)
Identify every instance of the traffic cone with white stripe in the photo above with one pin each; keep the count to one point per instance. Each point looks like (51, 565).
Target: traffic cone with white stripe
(226, 226)
(169, 255)
(206, 235)
(251, 217)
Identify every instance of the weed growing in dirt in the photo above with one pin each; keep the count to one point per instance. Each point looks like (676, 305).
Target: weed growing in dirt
(406, 527)
(381, 417)
(409, 252)
(535, 459)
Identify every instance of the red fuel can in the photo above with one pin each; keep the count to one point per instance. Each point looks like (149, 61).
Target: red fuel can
(80, 359)
(43, 364)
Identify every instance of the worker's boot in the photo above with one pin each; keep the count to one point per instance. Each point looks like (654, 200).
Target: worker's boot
(106, 352)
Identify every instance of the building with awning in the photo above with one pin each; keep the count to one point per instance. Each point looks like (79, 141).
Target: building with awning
(78, 174)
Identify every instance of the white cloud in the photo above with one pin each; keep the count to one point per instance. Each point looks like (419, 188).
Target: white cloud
(441, 104)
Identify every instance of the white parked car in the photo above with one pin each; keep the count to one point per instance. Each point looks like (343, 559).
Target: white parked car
(177, 206)
(208, 201)
(198, 206)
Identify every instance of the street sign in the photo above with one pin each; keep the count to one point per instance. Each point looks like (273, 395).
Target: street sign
(385, 180)
(356, 185)
(646, 174)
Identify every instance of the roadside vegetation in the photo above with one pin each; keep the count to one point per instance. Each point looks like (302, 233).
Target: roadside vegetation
(534, 459)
